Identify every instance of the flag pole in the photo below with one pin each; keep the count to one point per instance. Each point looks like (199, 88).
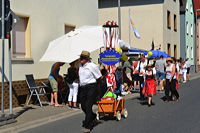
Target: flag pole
(119, 17)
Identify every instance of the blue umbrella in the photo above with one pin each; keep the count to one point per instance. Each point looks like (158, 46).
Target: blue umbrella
(158, 53)
(139, 51)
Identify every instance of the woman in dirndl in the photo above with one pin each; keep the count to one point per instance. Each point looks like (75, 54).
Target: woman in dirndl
(149, 89)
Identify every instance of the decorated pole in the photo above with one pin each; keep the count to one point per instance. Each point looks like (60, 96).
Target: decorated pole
(110, 56)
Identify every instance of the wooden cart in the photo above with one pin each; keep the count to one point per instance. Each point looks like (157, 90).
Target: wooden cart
(112, 108)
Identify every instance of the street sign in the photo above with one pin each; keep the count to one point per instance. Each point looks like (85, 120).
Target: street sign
(10, 22)
(10, 19)
(110, 57)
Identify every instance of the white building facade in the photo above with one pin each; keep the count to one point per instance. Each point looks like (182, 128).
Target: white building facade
(42, 21)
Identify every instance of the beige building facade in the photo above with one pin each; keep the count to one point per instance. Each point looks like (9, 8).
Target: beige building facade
(151, 19)
(42, 21)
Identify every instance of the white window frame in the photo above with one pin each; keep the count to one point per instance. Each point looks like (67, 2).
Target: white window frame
(187, 52)
(187, 6)
(191, 29)
(192, 53)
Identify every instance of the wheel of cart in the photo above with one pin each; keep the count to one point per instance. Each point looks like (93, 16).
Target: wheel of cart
(118, 115)
(112, 108)
(125, 113)
(97, 116)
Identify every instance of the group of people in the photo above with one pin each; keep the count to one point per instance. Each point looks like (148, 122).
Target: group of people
(162, 75)
(85, 79)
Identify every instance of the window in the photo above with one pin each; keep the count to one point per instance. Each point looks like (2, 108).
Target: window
(187, 52)
(191, 9)
(175, 51)
(175, 23)
(191, 30)
(168, 20)
(168, 49)
(187, 6)
(21, 39)
(68, 28)
(187, 28)
(192, 53)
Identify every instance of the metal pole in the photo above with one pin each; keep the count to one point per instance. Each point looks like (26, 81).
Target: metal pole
(129, 30)
(119, 17)
(3, 63)
(196, 43)
(10, 74)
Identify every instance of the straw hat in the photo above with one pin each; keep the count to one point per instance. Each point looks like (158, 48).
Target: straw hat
(85, 54)
(149, 66)
(169, 59)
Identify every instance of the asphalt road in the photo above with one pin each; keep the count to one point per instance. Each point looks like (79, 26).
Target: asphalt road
(172, 117)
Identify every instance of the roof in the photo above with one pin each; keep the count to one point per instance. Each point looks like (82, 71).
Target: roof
(114, 3)
(183, 6)
(196, 6)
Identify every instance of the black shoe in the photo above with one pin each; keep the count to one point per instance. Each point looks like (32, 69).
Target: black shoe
(142, 99)
(149, 105)
(152, 103)
(95, 122)
(83, 123)
(76, 107)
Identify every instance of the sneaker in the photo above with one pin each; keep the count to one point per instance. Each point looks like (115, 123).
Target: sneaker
(124, 93)
(178, 99)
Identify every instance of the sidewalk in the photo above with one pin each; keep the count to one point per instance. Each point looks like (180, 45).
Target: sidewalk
(195, 76)
(33, 116)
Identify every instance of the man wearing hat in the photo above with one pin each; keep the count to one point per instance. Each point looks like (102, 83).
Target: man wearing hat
(89, 74)
(141, 69)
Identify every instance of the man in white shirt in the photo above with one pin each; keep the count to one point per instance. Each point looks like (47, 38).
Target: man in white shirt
(89, 73)
(141, 69)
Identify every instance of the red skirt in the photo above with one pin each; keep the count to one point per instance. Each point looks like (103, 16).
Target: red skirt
(177, 84)
(149, 88)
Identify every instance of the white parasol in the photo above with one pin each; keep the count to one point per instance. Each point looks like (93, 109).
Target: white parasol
(67, 48)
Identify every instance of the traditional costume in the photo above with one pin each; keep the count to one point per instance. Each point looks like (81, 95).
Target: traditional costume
(150, 85)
